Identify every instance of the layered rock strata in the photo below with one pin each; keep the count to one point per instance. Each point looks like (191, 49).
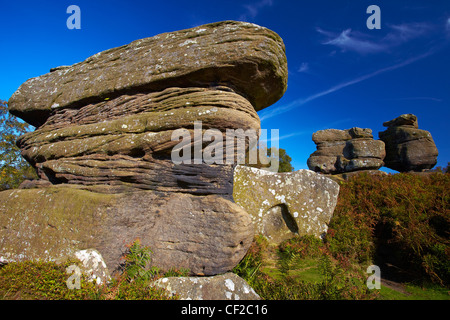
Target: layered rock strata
(340, 151)
(242, 56)
(126, 142)
(408, 148)
(103, 144)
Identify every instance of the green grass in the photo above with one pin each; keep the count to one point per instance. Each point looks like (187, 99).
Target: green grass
(413, 292)
(302, 268)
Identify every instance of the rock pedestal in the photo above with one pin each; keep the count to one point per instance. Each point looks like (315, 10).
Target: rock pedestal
(340, 151)
(104, 141)
(408, 148)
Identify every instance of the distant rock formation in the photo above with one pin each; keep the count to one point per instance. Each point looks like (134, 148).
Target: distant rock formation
(102, 149)
(283, 205)
(340, 151)
(408, 148)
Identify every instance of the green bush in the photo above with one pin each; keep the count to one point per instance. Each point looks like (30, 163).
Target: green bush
(42, 281)
(404, 216)
(137, 264)
(335, 282)
(402, 219)
(14, 169)
(48, 280)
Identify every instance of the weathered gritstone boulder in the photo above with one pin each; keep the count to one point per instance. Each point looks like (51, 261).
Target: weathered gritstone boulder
(127, 142)
(104, 136)
(242, 56)
(227, 286)
(340, 151)
(205, 234)
(110, 119)
(283, 205)
(407, 147)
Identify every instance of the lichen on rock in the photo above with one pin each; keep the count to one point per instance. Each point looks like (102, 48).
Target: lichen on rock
(283, 205)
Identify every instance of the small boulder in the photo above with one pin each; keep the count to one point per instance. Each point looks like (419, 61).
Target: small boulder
(93, 265)
(283, 205)
(403, 120)
(228, 286)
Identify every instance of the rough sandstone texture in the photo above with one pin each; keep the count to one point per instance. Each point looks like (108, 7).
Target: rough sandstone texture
(242, 56)
(103, 142)
(408, 148)
(127, 142)
(205, 234)
(227, 286)
(340, 151)
(283, 205)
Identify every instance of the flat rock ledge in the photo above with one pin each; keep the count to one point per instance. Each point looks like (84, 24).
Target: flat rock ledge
(228, 286)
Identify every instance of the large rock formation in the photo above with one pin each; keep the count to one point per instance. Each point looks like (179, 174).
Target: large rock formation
(340, 151)
(103, 146)
(283, 205)
(407, 147)
(205, 234)
(246, 58)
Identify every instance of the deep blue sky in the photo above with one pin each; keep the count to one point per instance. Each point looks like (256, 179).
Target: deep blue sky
(341, 74)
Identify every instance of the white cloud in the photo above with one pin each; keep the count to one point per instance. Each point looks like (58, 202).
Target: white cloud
(349, 40)
(253, 9)
(405, 32)
(299, 102)
(304, 67)
(418, 99)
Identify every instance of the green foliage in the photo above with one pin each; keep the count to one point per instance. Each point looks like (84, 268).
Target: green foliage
(32, 280)
(138, 263)
(334, 281)
(13, 167)
(250, 264)
(42, 281)
(138, 267)
(404, 216)
(283, 158)
(284, 161)
(401, 219)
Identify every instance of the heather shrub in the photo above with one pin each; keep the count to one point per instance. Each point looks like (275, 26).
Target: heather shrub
(47, 280)
(404, 218)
